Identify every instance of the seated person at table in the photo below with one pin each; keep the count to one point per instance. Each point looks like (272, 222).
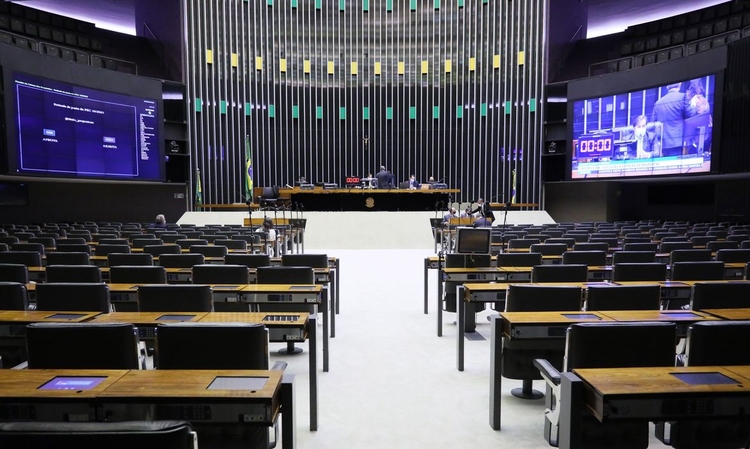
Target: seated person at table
(160, 222)
(450, 214)
(413, 184)
(270, 238)
(466, 213)
(385, 178)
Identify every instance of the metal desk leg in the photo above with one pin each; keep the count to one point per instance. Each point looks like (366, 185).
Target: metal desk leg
(571, 404)
(334, 275)
(312, 341)
(338, 283)
(495, 372)
(426, 286)
(461, 309)
(288, 419)
(327, 291)
(439, 309)
(324, 308)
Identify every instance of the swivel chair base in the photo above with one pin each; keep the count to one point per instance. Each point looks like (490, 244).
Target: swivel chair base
(290, 349)
(527, 391)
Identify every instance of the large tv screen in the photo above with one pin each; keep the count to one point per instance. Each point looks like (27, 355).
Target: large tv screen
(661, 130)
(62, 129)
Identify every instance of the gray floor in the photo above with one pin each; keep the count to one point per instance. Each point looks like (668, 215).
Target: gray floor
(392, 382)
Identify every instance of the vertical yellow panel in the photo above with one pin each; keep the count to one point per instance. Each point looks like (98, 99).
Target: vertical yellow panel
(306, 66)
(235, 60)
(521, 58)
(448, 66)
(258, 63)
(472, 64)
(377, 68)
(401, 67)
(209, 56)
(282, 65)
(425, 67)
(496, 61)
(354, 68)
(331, 67)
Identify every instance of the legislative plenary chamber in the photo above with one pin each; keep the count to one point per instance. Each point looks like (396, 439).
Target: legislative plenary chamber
(374, 223)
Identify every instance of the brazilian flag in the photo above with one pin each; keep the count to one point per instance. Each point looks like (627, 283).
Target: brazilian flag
(248, 169)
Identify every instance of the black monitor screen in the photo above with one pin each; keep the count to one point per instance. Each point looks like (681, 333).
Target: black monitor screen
(473, 240)
(62, 129)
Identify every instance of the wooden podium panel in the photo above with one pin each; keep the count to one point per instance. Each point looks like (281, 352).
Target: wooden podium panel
(259, 221)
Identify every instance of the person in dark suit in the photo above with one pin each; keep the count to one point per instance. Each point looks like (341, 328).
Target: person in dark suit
(160, 222)
(672, 109)
(484, 210)
(385, 178)
(644, 137)
(413, 183)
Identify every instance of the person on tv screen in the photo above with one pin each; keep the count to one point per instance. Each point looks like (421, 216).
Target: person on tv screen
(697, 133)
(671, 110)
(644, 137)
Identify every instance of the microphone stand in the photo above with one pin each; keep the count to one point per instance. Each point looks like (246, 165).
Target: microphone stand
(505, 223)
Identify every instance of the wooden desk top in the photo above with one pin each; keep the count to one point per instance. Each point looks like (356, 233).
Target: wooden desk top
(39, 316)
(321, 191)
(552, 317)
(147, 317)
(730, 314)
(257, 317)
(25, 383)
(189, 384)
(282, 288)
(658, 315)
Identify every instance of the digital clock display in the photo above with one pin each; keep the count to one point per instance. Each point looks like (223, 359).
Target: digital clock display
(598, 146)
(352, 180)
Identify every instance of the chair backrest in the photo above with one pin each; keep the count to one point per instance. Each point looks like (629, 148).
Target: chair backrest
(719, 295)
(186, 260)
(535, 298)
(114, 241)
(567, 241)
(220, 274)
(697, 271)
(620, 345)
(133, 237)
(461, 260)
(73, 296)
(611, 242)
(158, 250)
(718, 343)
(668, 247)
(231, 244)
(305, 260)
(175, 298)
(724, 244)
(14, 272)
(522, 243)
(559, 273)
(588, 258)
(141, 242)
(95, 435)
(633, 257)
(66, 258)
(82, 346)
(204, 346)
(248, 260)
(549, 249)
(641, 247)
(623, 297)
(211, 238)
(285, 275)
(138, 274)
(172, 238)
(73, 247)
(4, 247)
(686, 255)
(733, 255)
(651, 271)
(34, 247)
(9, 240)
(28, 258)
(209, 250)
(13, 296)
(73, 273)
(519, 259)
(591, 246)
(105, 249)
(132, 259)
(46, 242)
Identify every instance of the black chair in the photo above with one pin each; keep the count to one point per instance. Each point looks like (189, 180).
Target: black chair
(14, 272)
(172, 238)
(521, 243)
(588, 258)
(641, 247)
(73, 273)
(186, 260)
(209, 250)
(74, 247)
(570, 242)
(549, 249)
(141, 242)
(32, 247)
(97, 435)
(138, 274)
(82, 346)
(105, 250)
(133, 237)
(158, 250)
(66, 258)
(46, 242)
(689, 255)
(579, 238)
(187, 243)
(114, 241)
(220, 274)
(611, 242)
(73, 296)
(639, 272)
(633, 257)
(305, 260)
(519, 259)
(719, 295)
(724, 244)
(175, 298)
(248, 260)
(9, 240)
(559, 273)
(668, 247)
(518, 354)
(733, 255)
(4, 247)
(591, 246)
(131, 259)
(591, 345)
(28, 258)
(240, 245)
(623, 297)
(697, 271)
(13, 296)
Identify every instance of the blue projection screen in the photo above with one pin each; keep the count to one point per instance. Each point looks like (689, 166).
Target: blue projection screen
(61, 129)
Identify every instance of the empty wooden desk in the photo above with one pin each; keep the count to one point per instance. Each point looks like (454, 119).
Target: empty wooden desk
(682, 318)
(729, 314)
(146, 322)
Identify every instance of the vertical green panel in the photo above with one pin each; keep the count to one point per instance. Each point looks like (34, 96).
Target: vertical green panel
(412, 112)
(460, 3)
(295, 111)
(342, 5)
(223, 107)
(483, 109)
(507, 108)
(365, 5)
(342, 113)
(389, 5)
(271, 111)
(198, 105)
(532, 105)
(319, 112)
(318, 4)
(247, 108)
(413, 5)
(269, 2)
(366, 113)
(436, 112)
(485, 1)
(389, 113)
(294, 3)
(460, 111)
(437, 4)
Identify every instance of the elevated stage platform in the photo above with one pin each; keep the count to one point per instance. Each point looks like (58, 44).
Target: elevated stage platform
(362, 230)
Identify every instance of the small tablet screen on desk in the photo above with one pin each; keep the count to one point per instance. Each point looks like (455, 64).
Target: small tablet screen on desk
(581, 316)
(66, 316)
(238, 383)
(303, 287)
(673, 284)
(224, 287)
(72, 383)
(710, 378)
(175, 318)
(677, 314)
